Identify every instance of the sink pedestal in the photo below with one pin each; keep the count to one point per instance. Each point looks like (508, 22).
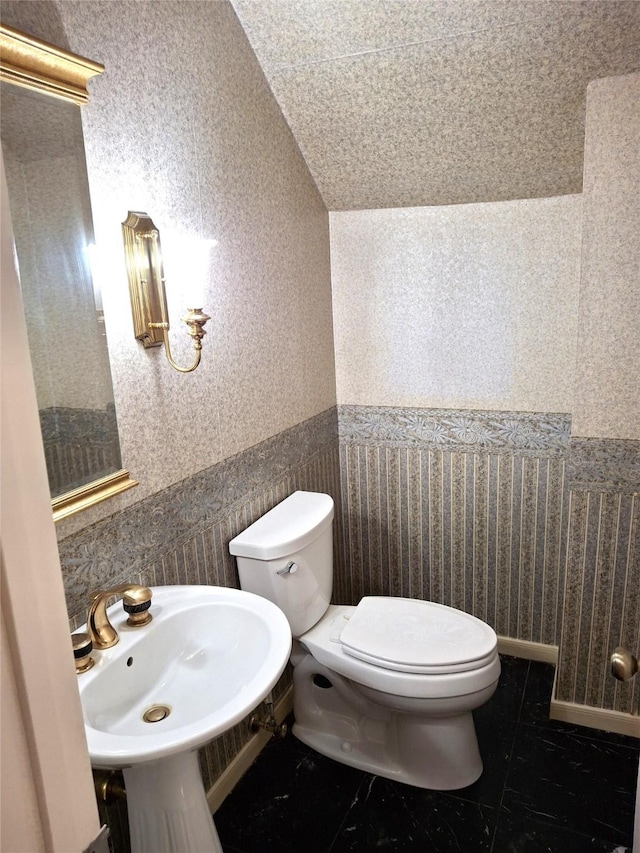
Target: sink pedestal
(168, 810)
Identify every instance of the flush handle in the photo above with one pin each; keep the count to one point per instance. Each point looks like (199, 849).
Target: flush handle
(289, 569)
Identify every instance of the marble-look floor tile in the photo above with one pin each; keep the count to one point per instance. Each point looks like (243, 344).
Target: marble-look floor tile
(389, 816)
(536, 700)
(496, 723)
(524, 834)
(581, 784)
(293, 801)
(547, 787)
(507, 700)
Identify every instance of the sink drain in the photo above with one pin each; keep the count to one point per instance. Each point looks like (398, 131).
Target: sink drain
(156, 713)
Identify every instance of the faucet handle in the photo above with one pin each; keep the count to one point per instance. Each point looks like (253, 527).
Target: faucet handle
(82, 648)
(136, 602)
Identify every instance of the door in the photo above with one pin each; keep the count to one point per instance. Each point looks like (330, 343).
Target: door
(47, 800)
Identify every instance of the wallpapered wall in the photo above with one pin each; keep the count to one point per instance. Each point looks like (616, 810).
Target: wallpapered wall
(182, 125)
(504, 516)
(607, 391)
(465, 306)
(529, 520)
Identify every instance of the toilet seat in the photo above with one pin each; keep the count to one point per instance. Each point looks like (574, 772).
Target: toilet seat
(323, 641)
(414, 636)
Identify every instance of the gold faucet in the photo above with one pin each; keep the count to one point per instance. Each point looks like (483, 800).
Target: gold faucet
(136, 601)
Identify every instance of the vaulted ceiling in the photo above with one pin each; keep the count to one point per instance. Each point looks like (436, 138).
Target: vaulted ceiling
(425, 102)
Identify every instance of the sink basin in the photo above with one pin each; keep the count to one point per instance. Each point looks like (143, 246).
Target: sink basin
(209, 656)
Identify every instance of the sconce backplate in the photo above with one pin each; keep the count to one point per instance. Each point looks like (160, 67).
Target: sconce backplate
(146, 277)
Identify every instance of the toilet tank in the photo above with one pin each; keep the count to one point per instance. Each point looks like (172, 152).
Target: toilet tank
(298, 530)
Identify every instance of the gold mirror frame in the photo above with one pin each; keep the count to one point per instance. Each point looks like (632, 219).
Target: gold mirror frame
(29, 62)
(36, 65)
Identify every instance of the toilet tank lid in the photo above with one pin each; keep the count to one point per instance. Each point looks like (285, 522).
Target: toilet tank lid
(285, 529)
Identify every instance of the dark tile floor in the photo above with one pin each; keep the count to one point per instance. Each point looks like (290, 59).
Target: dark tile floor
(546, 786)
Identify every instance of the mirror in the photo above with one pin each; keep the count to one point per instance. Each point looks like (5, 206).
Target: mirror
(43, 152)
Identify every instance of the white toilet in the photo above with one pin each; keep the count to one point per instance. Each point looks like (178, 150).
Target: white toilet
(387, 686)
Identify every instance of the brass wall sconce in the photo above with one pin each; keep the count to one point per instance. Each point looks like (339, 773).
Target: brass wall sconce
(146, 289)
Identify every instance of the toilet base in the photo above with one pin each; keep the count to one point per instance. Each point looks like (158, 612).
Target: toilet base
(426, 768)
(438, 753)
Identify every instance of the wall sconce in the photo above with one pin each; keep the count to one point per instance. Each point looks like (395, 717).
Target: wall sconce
(146, 288)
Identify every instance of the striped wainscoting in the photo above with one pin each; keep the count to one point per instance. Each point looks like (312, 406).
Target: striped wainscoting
(493, 513)
(483, 533)
(180, 535)
(602, 600)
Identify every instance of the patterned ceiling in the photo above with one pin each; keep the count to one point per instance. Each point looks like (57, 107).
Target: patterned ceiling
(398, 103)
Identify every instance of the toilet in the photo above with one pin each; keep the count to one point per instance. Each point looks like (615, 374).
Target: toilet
(387, 686)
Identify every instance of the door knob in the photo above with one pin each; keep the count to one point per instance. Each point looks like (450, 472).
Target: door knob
(624, 665)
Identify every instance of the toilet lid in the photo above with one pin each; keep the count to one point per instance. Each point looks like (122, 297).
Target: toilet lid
(410, 635)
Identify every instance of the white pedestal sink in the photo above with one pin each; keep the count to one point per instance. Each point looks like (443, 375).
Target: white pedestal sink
(209, 656)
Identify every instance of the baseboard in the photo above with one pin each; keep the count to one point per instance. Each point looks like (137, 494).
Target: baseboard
(234, 771)
(568, 712)
(595, 718)
(528, 650)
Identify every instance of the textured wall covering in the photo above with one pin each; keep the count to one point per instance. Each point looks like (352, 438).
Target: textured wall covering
(601, 464)
(515, 517)
(607, 395)
(480, 526)
(182, 125)
(471, 306)
(473, 509)
(180, 534)
(526, 433)
(602, 604)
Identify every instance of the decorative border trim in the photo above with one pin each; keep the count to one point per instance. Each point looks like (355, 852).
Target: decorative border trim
(143, 532)
(604, 465)
(466, 431)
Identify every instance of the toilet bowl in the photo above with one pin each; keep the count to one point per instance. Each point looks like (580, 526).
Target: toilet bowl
(387, 686)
